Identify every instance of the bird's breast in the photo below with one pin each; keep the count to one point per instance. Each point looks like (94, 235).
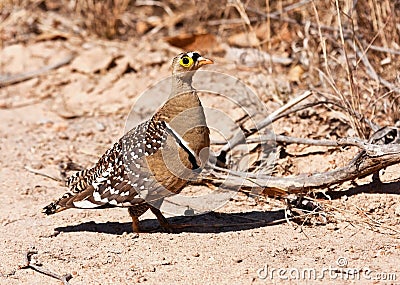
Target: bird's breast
(172, 165)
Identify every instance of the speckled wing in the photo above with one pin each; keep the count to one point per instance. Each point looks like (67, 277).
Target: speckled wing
(119, 174)
(141, 142)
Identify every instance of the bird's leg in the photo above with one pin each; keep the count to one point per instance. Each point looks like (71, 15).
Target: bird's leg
(135, 224)
(161, 219)
(135, 221)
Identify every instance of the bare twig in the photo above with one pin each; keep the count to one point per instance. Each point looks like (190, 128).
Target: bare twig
(29, 264)
(384, 49)
(354, 101)
(328, 76)
(370, 160)
(155, 3)
(271, 118)
(366, 220)
(6, 80)
(371, 71)
(292, 140)
(42, 174)
(286, 140)
(238, 138)
(291, 7)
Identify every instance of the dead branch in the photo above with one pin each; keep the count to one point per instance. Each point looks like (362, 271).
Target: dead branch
(287, 140)
(292, 140)
(370, 160)
(17, 78)
(239, 138)
(384, 49)
(42, 174)
(29, 264)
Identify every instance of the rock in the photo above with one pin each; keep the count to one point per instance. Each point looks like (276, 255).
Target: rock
(92, 60)
(397, 211)
(244, 40)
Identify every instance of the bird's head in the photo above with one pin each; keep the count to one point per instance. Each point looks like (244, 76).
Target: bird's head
(188, 61)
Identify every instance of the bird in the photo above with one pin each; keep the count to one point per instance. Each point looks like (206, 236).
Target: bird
(153, 160)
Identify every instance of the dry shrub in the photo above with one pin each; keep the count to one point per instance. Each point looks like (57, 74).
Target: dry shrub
(102, 17)
(321, 44)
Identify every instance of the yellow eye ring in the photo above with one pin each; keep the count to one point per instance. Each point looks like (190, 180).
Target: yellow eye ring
(186, 61)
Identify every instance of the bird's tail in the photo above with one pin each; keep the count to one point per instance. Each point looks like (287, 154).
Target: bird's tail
(71, 200)
(58, 205)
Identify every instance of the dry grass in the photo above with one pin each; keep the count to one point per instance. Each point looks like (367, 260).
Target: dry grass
(327, 36)
(333, 39)
(105, 18)
(330, 40)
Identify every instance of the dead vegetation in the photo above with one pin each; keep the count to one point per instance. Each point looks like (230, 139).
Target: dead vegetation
(345, 52)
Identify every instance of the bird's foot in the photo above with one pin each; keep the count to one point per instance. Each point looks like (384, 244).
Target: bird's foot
(165, 226)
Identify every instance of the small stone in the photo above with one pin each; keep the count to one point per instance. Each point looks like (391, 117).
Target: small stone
(63, 136)
(37, 165)
(166, 262)
(46, 122)
(141, 27)
(332, 227)
(60, 127)
(397, 211)
(100, 127)
(196, 254)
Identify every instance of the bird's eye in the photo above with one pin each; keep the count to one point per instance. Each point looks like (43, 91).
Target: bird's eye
(186, 61)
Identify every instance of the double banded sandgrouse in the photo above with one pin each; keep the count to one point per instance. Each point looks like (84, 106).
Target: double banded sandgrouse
(153, 160)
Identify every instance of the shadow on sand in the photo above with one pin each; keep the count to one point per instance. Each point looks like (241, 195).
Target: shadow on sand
(207, 223)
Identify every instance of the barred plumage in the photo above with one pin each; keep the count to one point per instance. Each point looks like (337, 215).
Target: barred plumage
(153, 160)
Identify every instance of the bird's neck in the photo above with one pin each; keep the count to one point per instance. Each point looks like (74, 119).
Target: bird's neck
(183, 97)
(181, 83)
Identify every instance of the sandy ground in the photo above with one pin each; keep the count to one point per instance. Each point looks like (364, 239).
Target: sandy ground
(77, 111)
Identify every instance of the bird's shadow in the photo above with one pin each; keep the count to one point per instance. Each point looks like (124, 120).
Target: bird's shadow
(225, 222)
(207, 223)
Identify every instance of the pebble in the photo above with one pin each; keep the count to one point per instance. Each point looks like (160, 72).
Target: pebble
(397, 211)
(332, 227)
(100, 127)
(36, 164)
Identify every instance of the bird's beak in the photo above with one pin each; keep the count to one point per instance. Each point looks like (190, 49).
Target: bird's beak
(203, 61)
